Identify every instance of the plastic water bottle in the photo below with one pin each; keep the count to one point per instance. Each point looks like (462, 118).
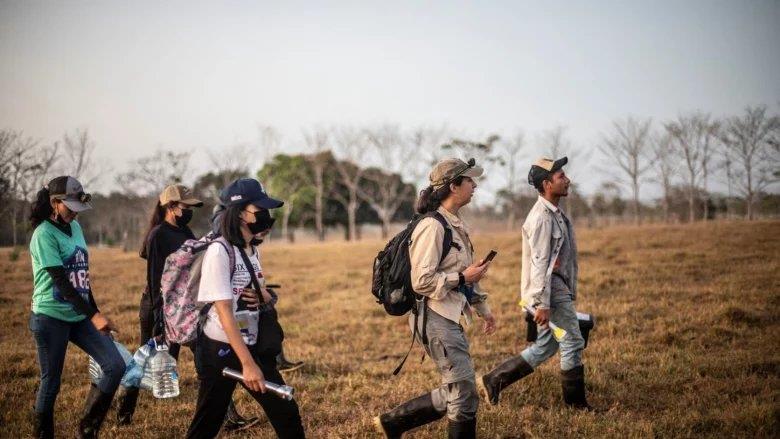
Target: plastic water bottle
(165, 378)
(142, 370)
(96, 373)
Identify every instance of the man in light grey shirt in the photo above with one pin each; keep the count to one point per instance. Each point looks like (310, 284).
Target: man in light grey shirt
(549, 287)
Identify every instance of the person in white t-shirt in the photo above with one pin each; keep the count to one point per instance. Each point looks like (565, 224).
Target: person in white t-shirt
(241, 330)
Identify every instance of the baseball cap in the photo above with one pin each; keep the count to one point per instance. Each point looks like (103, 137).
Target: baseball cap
(449, 169)
(70, 191)
(543, 167)
(180, 194)
(247, 190)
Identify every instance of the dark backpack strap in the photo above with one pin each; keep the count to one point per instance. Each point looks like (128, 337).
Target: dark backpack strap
(414, 336)
(448, 242)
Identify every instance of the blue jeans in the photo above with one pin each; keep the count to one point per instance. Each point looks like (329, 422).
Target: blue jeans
(563, 314)
(52, 337)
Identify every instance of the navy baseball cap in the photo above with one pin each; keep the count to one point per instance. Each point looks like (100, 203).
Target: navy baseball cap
(247, 190)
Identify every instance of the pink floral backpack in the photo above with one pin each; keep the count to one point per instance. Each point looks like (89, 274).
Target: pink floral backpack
(179, 288)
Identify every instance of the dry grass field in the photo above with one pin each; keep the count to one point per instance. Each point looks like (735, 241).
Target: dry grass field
(687, 342)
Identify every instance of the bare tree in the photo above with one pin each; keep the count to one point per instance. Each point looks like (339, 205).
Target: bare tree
(555, 143)
(318, 158)
(28, 166)
(627, 146)
(427, 141)
(270, 140)
(665, 164)
(746, 143)
(350, 147)
(149, 175)
(78, 158)
(232, 162)
(692, 138)
(6, 146)
(395, 154)
(509, 157)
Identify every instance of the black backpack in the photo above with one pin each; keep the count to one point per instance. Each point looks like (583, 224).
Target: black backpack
(392, 281)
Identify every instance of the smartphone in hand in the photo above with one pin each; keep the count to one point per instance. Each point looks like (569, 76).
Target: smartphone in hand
(490, 256)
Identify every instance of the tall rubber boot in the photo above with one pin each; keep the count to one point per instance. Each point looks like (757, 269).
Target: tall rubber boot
(285, 365)
(43, 427)
(95, 410)
(411, 414)
(128, 398)
(492, 383)
(235, 422)
(573, 385)
(462, 429)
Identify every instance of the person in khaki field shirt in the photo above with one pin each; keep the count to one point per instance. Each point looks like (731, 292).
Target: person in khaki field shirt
(451, 290)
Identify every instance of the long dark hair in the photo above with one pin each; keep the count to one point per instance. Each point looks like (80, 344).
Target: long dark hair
(40, 208)
(430, 199)
(230, 228)
(158, 216)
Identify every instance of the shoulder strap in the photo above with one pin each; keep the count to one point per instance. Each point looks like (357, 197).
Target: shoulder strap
(448, 242)
(231, 254)
(231, 261)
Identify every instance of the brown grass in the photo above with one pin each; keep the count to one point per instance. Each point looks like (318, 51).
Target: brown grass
(686, 343)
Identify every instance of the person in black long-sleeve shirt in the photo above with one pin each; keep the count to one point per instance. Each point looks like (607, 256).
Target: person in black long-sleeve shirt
(168, 230)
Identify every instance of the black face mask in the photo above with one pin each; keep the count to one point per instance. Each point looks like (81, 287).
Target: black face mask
(263, 222)
(185, 218)
(255, 241)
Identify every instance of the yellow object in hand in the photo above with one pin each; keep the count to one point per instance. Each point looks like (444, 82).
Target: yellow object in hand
(557, 331)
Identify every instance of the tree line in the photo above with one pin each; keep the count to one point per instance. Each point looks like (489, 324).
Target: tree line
(349, 176)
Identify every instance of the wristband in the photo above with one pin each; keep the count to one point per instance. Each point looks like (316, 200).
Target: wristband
(461, 279)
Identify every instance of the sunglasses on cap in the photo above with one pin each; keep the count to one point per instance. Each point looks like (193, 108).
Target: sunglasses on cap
(468, 165)
(80, 196)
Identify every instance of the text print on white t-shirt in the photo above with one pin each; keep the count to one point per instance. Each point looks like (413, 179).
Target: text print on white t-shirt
(246, 317)
(217, 284)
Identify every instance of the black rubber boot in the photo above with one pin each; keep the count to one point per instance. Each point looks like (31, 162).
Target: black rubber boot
(128, 398)
(462, 429)
(573, 384)
(413, 413)
(492, 383)
(44, 425)
(285, 365)
(235, 422)
(95, 410)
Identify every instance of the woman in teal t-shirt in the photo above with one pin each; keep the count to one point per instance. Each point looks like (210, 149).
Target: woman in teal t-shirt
(63, 309)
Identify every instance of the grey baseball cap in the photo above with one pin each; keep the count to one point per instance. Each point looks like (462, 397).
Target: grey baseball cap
(70, 191)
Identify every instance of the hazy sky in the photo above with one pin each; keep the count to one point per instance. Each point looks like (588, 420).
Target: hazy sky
(182, 75)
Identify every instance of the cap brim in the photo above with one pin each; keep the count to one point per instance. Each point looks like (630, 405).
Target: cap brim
(561, 162)
(77, 206)
(194, 202)
(268, 203)
(474, 172)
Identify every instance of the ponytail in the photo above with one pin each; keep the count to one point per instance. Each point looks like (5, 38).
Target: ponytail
(158, 216)
(430, 199)
(40, 208)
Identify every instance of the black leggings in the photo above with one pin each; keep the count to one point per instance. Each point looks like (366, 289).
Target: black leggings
(215, 391)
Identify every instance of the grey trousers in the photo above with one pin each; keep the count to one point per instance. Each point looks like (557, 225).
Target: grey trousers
(448, 348)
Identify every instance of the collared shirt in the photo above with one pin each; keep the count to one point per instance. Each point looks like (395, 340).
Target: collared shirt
(439, 281)
(546, 232)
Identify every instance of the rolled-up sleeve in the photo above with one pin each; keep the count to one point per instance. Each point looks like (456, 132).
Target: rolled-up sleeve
(539, 236)
(424, 255)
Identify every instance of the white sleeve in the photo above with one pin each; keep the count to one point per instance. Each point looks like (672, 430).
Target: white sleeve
(215, 282)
